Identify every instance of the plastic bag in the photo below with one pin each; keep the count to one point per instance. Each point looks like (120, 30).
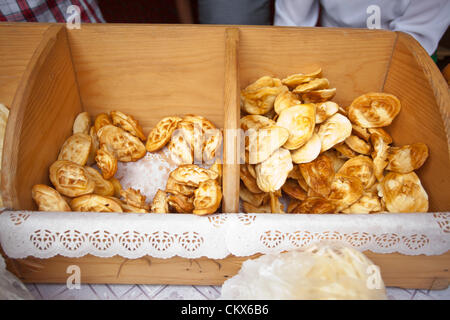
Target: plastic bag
(321, 271)
(11, 288)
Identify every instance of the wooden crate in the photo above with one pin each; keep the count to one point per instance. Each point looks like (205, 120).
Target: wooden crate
(151, 71)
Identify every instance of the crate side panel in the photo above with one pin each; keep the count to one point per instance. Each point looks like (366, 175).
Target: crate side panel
(355, 61)
(44, 108)
(419, 272)
(150, 71)
(414, 79)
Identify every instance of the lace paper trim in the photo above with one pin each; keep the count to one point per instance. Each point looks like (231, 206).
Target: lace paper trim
(75, 234)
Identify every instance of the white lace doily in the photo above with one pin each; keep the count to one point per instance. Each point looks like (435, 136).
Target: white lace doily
(75, 234)
(148, 174)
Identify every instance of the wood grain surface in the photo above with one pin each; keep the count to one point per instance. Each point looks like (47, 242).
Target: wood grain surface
(230, 202)
(17, 45)
(397, 270)
(354, 60)
(150, 72)
(425, 115)
(43, 110)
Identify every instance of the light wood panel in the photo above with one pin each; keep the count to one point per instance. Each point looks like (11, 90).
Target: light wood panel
(17, 45)
(425, 115)
(354, 60)
(230, 202)
(43, 110)
(150, 72)
(421, 272)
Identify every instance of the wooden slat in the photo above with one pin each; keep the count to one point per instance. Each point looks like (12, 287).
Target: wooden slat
(43, 110)
(230, 202)
(421, 272)
(425, 115)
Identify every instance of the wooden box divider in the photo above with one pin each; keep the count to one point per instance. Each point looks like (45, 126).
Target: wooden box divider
(230, 202)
